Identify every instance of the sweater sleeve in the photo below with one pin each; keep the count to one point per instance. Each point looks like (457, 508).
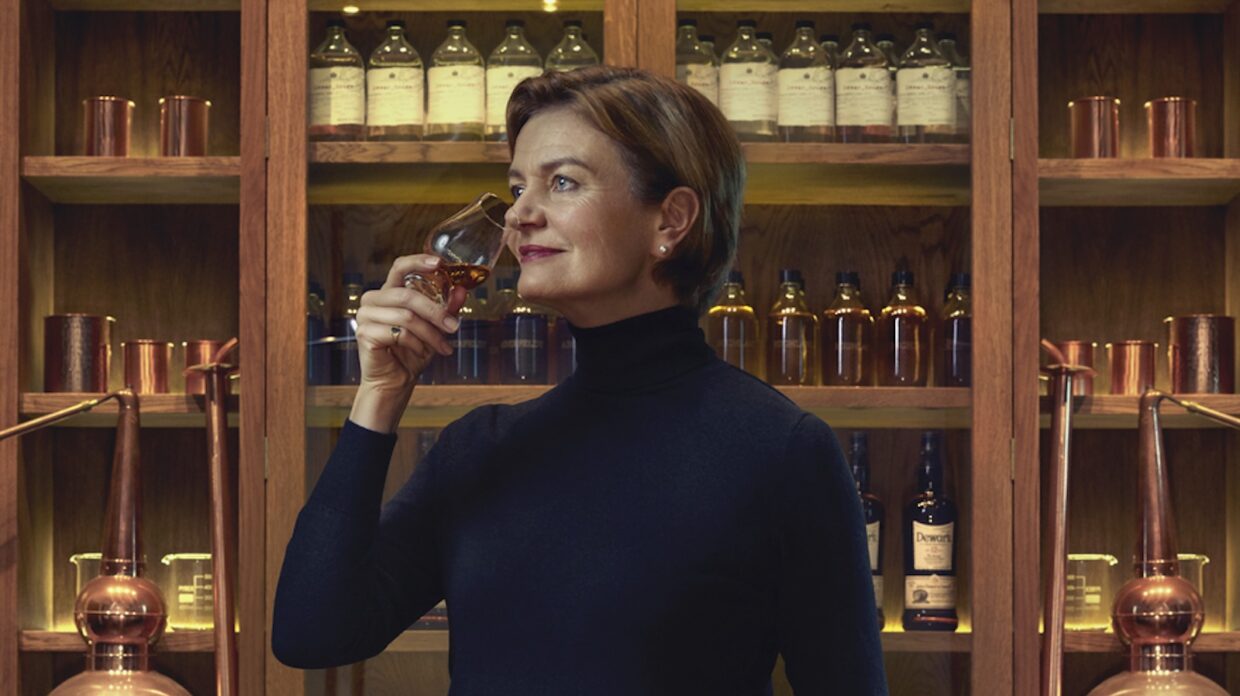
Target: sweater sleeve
(354, 576)
(827, 621)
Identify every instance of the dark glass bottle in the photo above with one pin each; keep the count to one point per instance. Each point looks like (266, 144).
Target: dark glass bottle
(505, 300)
(903, 336)
(873, 510)
(318, 356)
(470, 359)
(930, 546)
(523, 350)
(847, 336)
(565, 350)
(732, 327)
(791, 334)
(958, 333)
(346, 365)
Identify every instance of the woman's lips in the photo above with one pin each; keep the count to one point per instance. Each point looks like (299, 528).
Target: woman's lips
(533, 253)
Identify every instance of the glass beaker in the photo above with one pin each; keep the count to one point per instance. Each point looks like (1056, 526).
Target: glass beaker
(87, 565)
(189, 590)
(1091, 585)
(1193, 569)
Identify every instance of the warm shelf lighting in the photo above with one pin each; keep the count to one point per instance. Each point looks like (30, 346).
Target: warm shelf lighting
(350, 10)
(550, 5)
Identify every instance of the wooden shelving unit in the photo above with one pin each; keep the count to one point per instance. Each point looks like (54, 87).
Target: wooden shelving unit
(71, 642)
(135, 179)
(1138, 182)
(436, 641)
(458, 6)
(1109, 411)
(1133, 6)
(155, 410)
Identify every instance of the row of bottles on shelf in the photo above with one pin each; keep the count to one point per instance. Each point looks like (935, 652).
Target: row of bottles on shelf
(465, 98)
(815, 92)
(857, 350)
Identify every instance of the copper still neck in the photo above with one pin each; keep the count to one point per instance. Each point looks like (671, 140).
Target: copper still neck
(1156, 550)
(122, 542)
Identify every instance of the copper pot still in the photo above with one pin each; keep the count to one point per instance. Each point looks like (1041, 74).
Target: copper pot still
(1079, 354)
(77, 352)
(1132, 366)
(183, 126)
(1201, 349)
(146, 365)
(1172, 124)
(106, 126)
(1094, 127)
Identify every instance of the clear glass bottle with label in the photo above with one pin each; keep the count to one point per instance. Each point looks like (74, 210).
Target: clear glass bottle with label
(806, 90)
(863, 93)
(572, 52)
(470, 359)
(748, 85)
(456, 88)
(395, 83)
(346, 362)
(792, 334)
(925, 92)
(887, 44)
(523, 349)
(695, 66)
(847, 336)
(732, 327)
(708, 45)
(831, 48)
(767, 39)
(930, 546)
(512, 61)
(958, 333)
(902, 336)
(337, 88)
(874, 512)
(964, 85)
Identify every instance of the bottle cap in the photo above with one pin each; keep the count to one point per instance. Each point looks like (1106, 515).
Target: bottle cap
(924, 25)
(791, 275)
(457, 23)
(848, 277)
(961, 280)
(335, 23)
(805, 24)
(736, 277)
(823, 38)
(515, 23)
(509, 283)
(706, 38)
(885, 37)
(572, 23)
(316, 288)
(746, 23)
(862, 26)
(902, 278)
(351, 278)
(689, 22)
(766, 35)
(947, 36)
(395, 24)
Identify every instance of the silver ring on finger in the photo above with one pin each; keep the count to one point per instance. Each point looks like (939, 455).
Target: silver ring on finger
(395, 334)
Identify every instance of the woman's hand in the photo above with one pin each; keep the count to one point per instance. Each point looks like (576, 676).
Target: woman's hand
(399, 331)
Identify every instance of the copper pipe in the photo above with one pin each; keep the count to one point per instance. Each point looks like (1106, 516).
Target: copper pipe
(55, 417)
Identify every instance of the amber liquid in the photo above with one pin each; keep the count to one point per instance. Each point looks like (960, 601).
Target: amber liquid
(864, 134)
(902, 347)
(790, 356)
(348, 131)
(733, 333)
(846, 336)
(957, 352)
(394, 133)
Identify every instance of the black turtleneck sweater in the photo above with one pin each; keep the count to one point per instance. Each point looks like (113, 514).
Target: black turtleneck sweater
(660, 523)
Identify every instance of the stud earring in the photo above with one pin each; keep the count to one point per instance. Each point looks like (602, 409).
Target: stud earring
(663, 249)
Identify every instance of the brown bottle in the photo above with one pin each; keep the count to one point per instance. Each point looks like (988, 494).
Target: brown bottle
(791, 329)
(958, 333)
(847, 332)
(902, 336)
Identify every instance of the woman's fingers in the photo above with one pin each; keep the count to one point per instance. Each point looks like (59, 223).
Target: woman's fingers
(426, 308)
(382, 337)
(413, 327)
(404, 265)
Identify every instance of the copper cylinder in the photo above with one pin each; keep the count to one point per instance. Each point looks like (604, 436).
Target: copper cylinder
(1081, 354)
(183, 126)
(1172, 124)
(106, 125)
(77, 352)
(1094, 124)
(199, 352)
(146, 365)
(1201, 350)
(1132, 366)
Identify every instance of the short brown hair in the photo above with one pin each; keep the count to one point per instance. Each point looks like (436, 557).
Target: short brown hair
(670, 136)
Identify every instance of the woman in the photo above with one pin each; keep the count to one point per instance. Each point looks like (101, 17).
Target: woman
(660, 523)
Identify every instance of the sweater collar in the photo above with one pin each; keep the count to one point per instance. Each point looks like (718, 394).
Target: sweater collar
(640, 352)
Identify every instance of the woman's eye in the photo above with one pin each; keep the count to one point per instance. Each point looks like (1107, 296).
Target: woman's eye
(561, 183)
(516, 191)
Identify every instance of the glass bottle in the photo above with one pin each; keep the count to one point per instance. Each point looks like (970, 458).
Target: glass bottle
(572, 52)
(513, 60)
(456, 88)
(926, 92)
(347, 365)
(831, 48)
(748, 89)
(887, 44)
(767, 39)
(565, 350)
(929, 546)
(695, 66)
(505, 300)
(863, 92)
(874, 512)
(806, 90)
(732, 327)
(964, 84)
(394, 86)
(337, 88)
(523, 350)
(318, 356)
(847, 336)
(791, 329)
(902, 336)
(470, 359)
(708, 45)
(958, 333)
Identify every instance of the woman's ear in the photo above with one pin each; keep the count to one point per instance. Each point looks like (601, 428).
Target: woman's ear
(680, 209)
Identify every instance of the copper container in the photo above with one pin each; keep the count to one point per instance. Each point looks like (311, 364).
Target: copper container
(1132, 366)
(1201, 349)
(77, 352)
(199, 352)
(183, 126)
(1079, 353)
(146, 365)
(106, 124)
(1172, 123)
(1094, 123)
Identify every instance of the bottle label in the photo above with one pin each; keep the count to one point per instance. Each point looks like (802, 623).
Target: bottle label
(806, 97)
(863, 97)
(394, 96)
(932, 546)
(337, 96)
(528, 343)
(704, 78)
(457, 94)
(929, 592)
(747, 91)
(501, 81)
(872, 535)
(926, 96)
(878, 590)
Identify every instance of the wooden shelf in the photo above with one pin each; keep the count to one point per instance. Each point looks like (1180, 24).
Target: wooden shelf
(842, 407)
(135, 179)
(779, 173)
(1106, 411)
(1133, 6)
(70, 642)
(1097, 642)
(456, 5)
(1138, 182)
(147, 5)
(436, 641)
(155, 410)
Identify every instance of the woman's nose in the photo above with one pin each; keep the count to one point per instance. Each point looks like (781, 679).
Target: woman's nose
(524, 212)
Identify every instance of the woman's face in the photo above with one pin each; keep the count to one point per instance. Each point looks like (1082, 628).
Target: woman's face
(586, 245)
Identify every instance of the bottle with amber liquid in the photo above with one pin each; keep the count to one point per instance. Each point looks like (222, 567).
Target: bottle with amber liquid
(958, 333)
(732, 327)
(873, 510)
(930, 546)
(791, 334)
(902, 336)
(523, 349)
(470, 359)
(847, 336)
(337, 88)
